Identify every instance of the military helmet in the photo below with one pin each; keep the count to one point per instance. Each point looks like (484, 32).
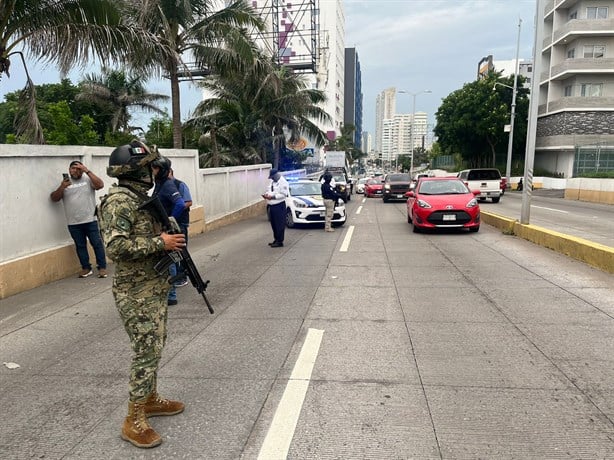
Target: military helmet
(132, 161)
(165, 167)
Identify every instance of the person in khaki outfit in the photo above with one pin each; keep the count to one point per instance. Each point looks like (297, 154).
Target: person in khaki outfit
(135, 242)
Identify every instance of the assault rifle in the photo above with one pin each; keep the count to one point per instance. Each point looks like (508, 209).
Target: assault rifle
(170, 225)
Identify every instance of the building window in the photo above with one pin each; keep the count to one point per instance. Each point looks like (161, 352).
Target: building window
(591, 90)
(573, 15)
(568, 91)
(594, 51)
(597, 12)
(571, 53)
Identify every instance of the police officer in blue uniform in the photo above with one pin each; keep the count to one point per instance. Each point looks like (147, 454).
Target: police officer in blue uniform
(276, 194)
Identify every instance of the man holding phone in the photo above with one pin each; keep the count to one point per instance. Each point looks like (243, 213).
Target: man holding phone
(77, 191)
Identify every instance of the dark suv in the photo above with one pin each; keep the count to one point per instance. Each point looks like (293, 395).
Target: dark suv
(395, 186)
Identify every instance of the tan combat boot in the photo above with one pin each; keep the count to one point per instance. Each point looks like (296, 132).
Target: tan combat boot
(137, 429)
(157, 405)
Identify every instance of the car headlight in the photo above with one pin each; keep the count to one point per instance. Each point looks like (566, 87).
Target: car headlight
(342, 188)
(472, 203)
(299, 204)
(387, 186)
(423, 204)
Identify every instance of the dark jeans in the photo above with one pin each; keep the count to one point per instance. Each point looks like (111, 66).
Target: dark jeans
(80, 234)
(277, 212)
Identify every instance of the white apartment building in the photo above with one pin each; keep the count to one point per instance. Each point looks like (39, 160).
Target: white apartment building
(575, 125)
(397, 134)
(366, 144)
(385, 109)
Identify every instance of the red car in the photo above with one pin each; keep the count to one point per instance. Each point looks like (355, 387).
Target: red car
(373, 187)
(443, 202)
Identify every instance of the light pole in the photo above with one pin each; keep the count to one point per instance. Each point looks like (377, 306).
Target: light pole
(413, 122)
(510, 142)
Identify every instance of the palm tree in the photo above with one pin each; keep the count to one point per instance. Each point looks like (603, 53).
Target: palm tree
(254, 109)
(213, 39)
(287, 104)
(121, 92)
(64, 32)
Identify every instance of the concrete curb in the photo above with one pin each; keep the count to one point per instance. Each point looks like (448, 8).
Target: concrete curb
(593, 254)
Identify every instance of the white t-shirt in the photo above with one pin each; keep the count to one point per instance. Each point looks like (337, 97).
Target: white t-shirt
(79, 201)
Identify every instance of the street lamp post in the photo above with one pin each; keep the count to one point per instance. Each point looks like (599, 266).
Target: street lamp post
(413, 122)
(510, 142)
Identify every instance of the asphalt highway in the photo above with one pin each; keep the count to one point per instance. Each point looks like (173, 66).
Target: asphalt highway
(371, 342)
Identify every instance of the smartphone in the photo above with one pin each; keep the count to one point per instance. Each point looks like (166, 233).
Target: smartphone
(65, 176)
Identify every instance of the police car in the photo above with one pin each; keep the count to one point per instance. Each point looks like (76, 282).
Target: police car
(305, 205)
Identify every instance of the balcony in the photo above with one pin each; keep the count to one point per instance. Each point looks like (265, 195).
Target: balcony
(583, 28)
(576, 103)
(582, 66)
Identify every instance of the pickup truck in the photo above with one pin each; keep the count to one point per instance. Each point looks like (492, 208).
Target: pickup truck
(486, 180)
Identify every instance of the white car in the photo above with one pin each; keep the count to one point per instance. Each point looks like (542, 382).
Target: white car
(360, 185)
(306, 206)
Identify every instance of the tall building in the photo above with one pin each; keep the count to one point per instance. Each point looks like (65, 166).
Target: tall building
(385, 108)
(330, 76)
(397, 134)
(508, 68)
(575, 125)
(366, 144)
(353, 94)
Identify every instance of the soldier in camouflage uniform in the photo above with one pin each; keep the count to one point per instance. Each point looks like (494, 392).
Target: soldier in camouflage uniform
(135, 242)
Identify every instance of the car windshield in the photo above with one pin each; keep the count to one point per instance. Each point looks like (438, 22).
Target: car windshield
(339, 178)
(363, 181)
(442, 187)
(484, 174)
(311, 188)
(398, 178)
(374, 181)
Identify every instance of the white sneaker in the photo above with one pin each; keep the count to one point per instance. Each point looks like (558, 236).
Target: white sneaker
(85, 273)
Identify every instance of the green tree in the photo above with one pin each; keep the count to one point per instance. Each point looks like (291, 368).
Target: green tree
(470, 121)
(64, 32)
(214, 39)
(160, 132)
(119, 93)
(65, 131)
(345, 143)
(252, 113)
(47, 96)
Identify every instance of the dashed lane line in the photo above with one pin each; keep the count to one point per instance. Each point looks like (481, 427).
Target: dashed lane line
(277, 441)
(346, 241)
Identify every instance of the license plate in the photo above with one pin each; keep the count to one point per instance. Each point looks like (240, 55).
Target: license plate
(449, 217)
(399, 196)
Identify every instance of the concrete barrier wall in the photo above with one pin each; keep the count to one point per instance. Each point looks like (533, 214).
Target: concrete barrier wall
(593, 190)
(35, 246)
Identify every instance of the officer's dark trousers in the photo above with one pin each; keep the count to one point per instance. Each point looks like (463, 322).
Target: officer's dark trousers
(277, 212)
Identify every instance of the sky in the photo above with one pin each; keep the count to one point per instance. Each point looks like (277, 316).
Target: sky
(413, 45)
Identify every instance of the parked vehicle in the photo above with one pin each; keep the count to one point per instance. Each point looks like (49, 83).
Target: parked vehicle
(486, 180)
(373, 187)
(305, 205)
(360, 185)
(443, 202)
(395, 186)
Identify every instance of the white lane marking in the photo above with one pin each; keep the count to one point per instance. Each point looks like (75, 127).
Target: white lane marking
(277, 441)
(550, 209)
(346, 241)
(364, 200)
(359, 209)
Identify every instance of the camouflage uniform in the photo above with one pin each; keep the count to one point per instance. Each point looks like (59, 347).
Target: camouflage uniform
(132, 240)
